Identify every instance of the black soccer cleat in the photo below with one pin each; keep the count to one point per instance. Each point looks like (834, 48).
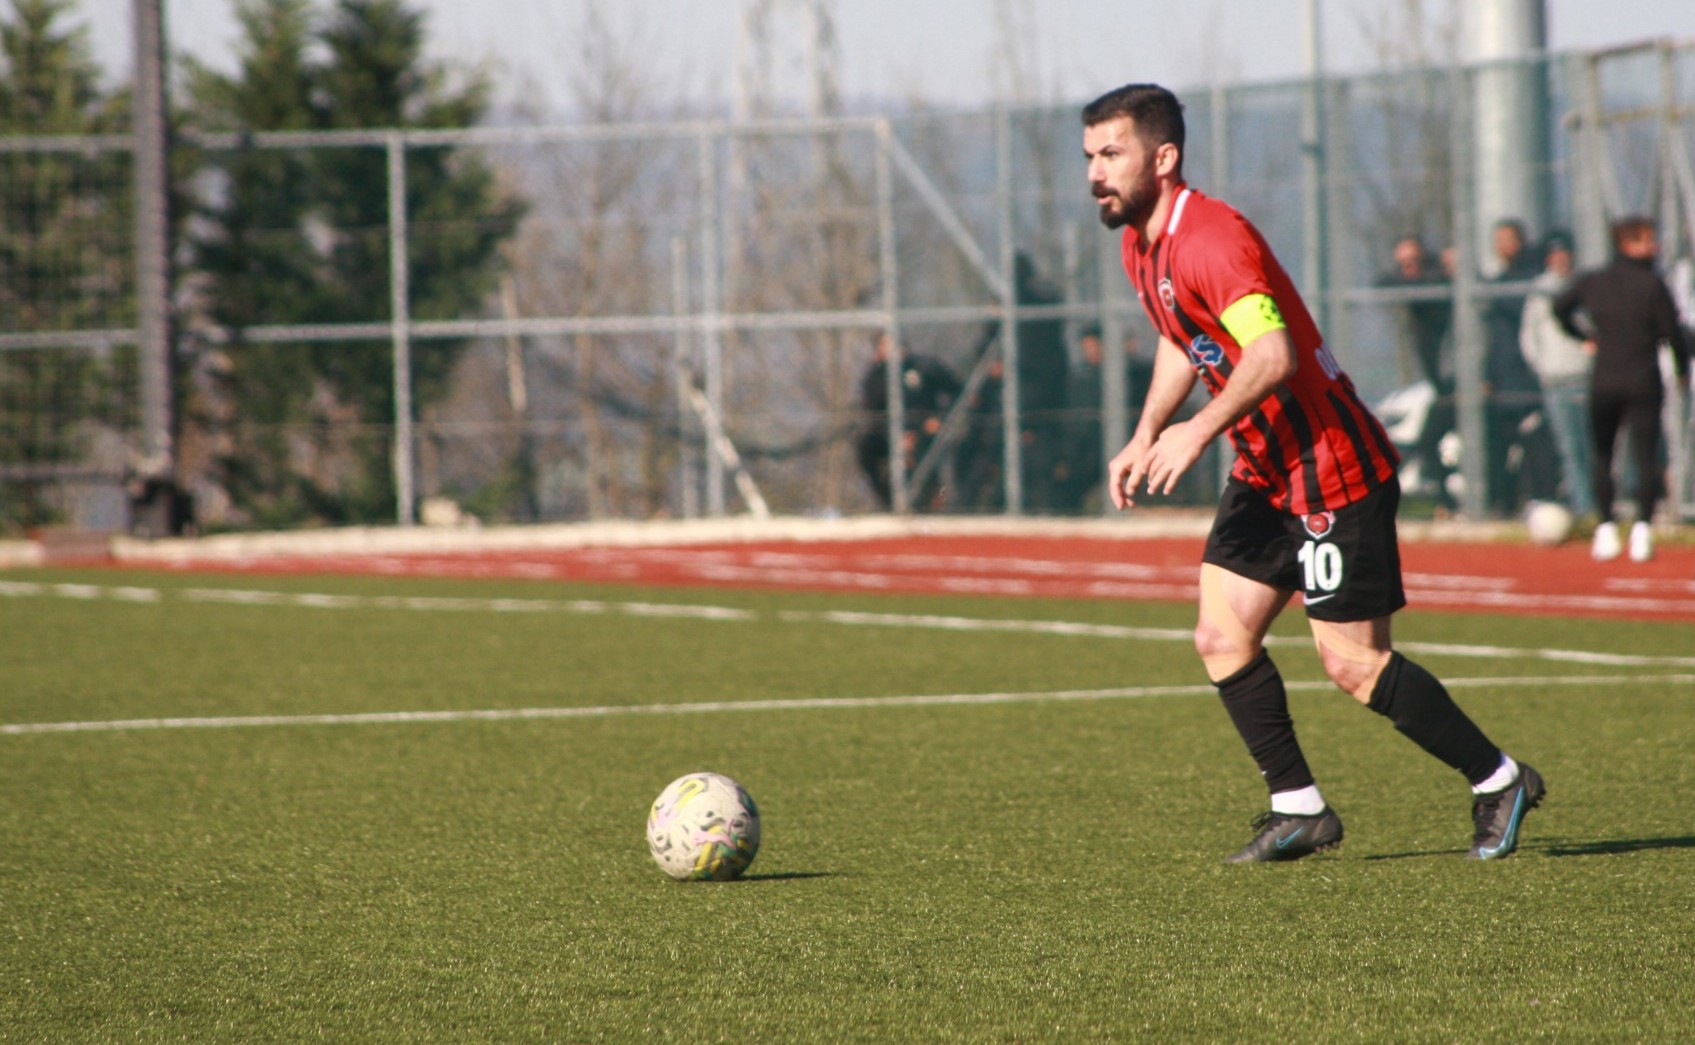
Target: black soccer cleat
(1285, 836)
(1498, 815)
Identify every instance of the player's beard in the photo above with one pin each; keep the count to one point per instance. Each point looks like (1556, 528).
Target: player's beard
(1135, 205)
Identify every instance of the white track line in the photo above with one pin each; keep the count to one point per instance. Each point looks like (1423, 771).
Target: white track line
(792, 704)
(986, 575)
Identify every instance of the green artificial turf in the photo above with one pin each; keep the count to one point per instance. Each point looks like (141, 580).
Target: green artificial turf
(1017, 871)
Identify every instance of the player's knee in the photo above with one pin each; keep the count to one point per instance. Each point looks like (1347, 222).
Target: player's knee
(1224, 652)
(1353, 655)
(1355, 672)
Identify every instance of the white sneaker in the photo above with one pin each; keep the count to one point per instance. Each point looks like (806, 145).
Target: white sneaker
(1606, 547)
(1641, 542)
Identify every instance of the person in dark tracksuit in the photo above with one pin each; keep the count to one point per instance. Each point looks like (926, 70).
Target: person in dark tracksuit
(1629, 314)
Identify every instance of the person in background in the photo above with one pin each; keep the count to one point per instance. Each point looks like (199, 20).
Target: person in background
(1517, 453)
(1424, 329)
(1630, 313)
(1043, 370)
(928, 390)
(1082, 469)
(1425, 323)
(982, 448)
(1562, 365)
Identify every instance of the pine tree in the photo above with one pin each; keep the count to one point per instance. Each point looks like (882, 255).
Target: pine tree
(254, 258)
(65, 218)
(302, 237)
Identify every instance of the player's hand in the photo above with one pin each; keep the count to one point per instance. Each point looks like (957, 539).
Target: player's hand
(1172, 455)
(1126, 471)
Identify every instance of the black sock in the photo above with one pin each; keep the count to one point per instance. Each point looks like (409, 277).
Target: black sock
(1421, 708)
(1259, 706)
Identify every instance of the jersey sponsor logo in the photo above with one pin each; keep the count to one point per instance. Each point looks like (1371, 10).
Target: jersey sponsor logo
(1327, 362)
(1205, 352)
(1168, 294)
(1319, 524)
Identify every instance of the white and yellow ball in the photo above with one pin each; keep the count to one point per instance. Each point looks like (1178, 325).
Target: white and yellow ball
(703, 827)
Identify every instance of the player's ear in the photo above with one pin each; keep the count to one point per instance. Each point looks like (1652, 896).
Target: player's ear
(1168, 159)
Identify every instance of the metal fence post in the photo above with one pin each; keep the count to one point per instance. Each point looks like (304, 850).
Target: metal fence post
(1219, 167)
(1115, 362)
(895, 366)
(682, 371)
(1468, 315)
(400, 326)
(712, 319)
(152, 252)
(1013, 449)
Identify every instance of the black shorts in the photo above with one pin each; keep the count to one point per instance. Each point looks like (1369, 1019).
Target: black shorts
(1347, 563)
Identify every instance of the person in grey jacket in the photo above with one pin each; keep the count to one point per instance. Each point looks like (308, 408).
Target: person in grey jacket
(1630, 314)
(1562, 365)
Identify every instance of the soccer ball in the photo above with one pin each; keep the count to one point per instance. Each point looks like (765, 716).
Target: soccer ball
(1549, 523)
(703, 827)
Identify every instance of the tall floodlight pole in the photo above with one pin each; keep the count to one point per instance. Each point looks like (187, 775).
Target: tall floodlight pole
(157, 468)
(1510, 128)
(1315, 232)
(1508, 178)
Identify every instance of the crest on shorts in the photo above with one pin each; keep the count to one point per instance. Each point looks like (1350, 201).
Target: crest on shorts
(1319, 524)
(1168, 294)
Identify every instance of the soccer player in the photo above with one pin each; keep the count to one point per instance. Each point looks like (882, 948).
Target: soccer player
(1310, 504)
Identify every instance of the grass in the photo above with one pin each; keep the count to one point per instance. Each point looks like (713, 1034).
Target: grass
(1021, 871)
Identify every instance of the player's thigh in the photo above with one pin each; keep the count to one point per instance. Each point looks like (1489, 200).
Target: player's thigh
(1248, 573)
(1252, 605)
(1235, 613)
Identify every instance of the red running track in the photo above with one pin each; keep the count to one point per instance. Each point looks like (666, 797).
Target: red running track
(1448, 576)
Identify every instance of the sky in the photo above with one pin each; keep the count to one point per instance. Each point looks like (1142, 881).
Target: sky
(945, 52)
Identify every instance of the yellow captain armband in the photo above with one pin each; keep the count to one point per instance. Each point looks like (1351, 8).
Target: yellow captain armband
(1252, 316)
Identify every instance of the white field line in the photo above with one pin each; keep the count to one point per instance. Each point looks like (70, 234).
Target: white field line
(788, 704)
(1113, 631)
(312, 600)
(86, 592)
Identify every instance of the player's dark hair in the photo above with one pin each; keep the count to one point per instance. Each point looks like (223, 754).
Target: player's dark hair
(1157, 113)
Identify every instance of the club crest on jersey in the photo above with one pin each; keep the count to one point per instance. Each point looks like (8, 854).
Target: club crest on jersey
(1205, 352)
(1168, 294)
(1319, 524)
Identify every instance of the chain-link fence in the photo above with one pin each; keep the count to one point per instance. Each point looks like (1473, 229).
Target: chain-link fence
(686, 320)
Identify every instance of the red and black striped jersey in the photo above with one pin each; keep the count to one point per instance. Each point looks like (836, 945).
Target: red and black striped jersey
(1311, 446)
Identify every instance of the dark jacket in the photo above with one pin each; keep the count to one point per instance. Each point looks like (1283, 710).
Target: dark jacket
(1631, 312)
